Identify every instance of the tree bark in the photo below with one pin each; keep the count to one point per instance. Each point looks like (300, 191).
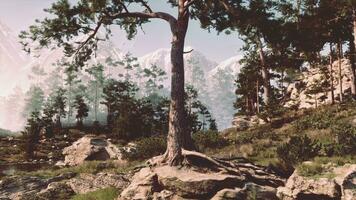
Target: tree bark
(331, 60)
(178, 136)
(257, 97)
(265, 75)
(339, 50)
(352, 59)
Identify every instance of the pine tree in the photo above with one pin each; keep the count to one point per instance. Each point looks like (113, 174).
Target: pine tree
(61, 28)
(59, 105)
(82, 110)
(34, 101)
(31, 135)
(95, 87)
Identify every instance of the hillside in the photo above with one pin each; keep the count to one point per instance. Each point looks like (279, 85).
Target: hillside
(324, 137)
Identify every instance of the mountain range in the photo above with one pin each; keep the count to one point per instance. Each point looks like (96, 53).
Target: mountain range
(16, 66)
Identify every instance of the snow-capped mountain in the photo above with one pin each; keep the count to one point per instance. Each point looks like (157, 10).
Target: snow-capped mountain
(161, 58)
(230, 65)
(17, 69)
(12, 60)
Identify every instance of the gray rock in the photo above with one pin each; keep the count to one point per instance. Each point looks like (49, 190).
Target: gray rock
(242, 122)
(90, 148)
(26, 188)
(85, 183)
(210, 179)
(342, 186)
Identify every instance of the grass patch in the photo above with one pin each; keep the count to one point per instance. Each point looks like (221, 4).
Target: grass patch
(315, 171)
(336, 160)
(321, 167)
(89, 167)
(102, 194)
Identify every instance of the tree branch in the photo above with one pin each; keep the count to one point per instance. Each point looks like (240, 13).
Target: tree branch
(159, 15)
(190, 51)
(229, 8)
(189, 3)
(125, 8)
(144, 3)
(91, 36)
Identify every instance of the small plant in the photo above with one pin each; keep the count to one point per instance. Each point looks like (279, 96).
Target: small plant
(319, 120)
(259, 132)
(101, 194)
(345, 138)
(310, 169)
(298, 149)
(146, 148)
(209, 139)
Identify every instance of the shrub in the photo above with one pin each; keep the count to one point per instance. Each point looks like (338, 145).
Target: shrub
(345, 138)
(298, 149)
(209, 139)
(319, 120)
(310, 169)
(146, 148)
(257, 133)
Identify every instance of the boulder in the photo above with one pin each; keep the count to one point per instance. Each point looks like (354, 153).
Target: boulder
(250, 191)
(346, 178)
(202, 178)
(243, 122)
(25, 188)
(17, 188)
(85, 183)
(342, 186)
(90, 148)
(56, 190)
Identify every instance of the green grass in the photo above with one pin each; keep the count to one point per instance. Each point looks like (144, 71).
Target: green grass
(259, 144)
(336, 160)
(89, 167)
(321, 167)
(102, 194)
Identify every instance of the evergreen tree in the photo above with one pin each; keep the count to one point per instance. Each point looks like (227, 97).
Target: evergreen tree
(34, 101)
(82, 110)
(198, 115)
(154, 77)
(63, 25)
(115, 94)
(47, 117)
(59, 104)
(95, 87)
(31, 135)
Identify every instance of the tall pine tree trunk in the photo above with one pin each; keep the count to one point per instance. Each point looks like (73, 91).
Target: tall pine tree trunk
(178, 136)
(339, 50)
(257, 97)
(352, 59)
(331, 60)
(265, 74)
(96, 101)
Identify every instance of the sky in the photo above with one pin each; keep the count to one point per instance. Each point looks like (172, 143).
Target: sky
(19, 14)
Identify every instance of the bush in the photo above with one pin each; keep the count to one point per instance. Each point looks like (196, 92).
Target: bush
(310, 169)
(318, 120)
(298, 149)
(146, 148)
(208, 139)
(345, 138)
(257, 133)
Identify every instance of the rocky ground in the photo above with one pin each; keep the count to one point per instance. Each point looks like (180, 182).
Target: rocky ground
(90, 166)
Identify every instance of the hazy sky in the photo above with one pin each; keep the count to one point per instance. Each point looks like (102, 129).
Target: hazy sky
(19, 14)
